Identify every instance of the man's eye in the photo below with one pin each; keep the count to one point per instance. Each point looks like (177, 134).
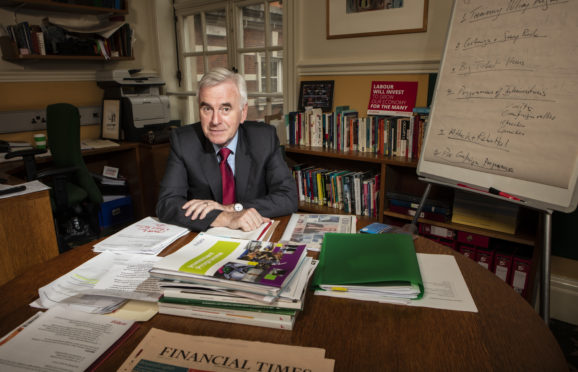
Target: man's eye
(225, 110)
(206, 109)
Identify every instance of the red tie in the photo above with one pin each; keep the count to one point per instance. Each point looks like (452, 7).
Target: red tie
(227, 177)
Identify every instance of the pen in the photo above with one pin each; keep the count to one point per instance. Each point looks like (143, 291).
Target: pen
(501, 193)
(12, 190)
(493, 191)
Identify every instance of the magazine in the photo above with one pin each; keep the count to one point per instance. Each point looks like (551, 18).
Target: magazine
(309, 229)
(246, 265)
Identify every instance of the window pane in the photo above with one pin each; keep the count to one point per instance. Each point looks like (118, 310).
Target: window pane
(218, 60)
(193, 37)
(253, 26)
(252, 70)
(276, 15)
(216, 30)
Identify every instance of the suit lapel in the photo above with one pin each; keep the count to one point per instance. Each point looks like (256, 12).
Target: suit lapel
(210, 166)
(243, 165)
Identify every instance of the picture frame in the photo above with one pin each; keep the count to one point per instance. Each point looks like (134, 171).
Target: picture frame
(348, 18)
(110, 124)
(316, 94)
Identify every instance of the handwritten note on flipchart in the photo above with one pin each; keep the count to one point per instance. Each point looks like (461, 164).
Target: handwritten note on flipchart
(506, 102)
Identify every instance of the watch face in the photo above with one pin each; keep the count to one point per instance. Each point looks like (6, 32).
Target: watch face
(238, 207)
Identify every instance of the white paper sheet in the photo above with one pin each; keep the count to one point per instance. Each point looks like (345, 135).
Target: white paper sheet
(102, 283)
(61, 340)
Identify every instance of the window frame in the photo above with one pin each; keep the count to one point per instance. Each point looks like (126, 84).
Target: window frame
(234, 50)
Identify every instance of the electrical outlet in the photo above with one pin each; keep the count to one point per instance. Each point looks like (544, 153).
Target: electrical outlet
(38, 119)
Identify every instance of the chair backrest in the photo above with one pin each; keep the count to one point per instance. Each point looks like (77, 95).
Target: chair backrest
(63, 132)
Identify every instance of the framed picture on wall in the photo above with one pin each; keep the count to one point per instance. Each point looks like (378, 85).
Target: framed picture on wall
(110, 119)
(316, 94)
(358, 18)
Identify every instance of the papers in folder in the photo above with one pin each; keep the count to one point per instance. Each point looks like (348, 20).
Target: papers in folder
(147, 236)
(362, 265)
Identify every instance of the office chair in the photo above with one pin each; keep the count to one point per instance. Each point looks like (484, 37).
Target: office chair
(75, 197)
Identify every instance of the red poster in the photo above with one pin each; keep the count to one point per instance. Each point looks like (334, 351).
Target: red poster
(392, 98)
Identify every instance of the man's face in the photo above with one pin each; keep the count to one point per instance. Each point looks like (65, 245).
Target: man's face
(221, 113)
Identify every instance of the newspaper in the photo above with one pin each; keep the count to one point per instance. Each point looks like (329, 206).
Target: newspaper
(164, 351)
(309, 229)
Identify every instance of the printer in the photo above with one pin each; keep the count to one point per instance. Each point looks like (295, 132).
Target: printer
(143, 110)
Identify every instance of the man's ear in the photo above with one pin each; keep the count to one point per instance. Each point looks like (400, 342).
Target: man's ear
(244, 112)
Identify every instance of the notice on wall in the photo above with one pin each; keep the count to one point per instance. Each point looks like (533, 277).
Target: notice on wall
(395, 98)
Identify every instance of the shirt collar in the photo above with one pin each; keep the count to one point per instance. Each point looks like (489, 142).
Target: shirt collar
(231, 146)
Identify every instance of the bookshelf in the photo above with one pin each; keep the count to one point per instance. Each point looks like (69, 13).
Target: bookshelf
(119, 41)
(399, 174)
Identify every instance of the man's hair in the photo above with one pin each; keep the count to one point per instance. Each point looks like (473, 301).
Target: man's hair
(220, 75)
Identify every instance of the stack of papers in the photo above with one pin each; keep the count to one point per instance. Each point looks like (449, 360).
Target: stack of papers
(369, 266)
(147, 236)
(102, 284)
(235, 280)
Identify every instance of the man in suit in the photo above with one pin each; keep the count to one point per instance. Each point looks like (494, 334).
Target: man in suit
(192, 193)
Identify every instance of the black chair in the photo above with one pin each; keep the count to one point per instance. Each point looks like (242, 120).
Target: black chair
(74, 195)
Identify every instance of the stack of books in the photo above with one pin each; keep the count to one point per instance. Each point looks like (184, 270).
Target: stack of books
(235, 280)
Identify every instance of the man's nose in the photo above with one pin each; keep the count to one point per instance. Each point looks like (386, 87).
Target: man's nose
(216, 117)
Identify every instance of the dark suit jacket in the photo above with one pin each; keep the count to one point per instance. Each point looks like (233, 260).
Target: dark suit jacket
(262, 178)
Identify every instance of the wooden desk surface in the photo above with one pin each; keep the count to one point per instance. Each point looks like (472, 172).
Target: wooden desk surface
(505, 335)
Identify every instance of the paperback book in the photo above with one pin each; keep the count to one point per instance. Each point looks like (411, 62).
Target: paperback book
(245, 265)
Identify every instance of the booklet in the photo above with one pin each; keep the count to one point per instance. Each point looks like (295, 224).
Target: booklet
(248, 265)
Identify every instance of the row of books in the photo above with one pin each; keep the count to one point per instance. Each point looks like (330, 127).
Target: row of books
(433, 209)
(353, 192)
(509, 261)
(49, 39)
(345, 130)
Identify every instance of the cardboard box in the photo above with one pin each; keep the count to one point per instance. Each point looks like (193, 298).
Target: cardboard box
(485, 257)
(473, 239)
(115, 212)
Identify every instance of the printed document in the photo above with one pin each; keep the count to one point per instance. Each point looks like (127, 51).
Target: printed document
(103, 283)
(147, 236)
(309, 229)
(445, 287)
(62, 340)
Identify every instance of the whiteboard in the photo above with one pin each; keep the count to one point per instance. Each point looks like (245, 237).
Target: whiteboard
(504, 112)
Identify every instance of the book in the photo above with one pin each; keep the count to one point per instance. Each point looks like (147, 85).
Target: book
(260, 319)
(379, 264)
(252, 266)
(376, 228)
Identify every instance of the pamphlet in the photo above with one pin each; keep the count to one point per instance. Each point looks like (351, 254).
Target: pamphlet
(309, 229)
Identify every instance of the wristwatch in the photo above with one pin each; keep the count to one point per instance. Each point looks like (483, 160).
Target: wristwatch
(238, 207)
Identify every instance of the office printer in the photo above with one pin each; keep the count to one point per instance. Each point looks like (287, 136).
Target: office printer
(142, 108)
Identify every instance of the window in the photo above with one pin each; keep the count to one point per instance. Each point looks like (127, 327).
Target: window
(246, 35)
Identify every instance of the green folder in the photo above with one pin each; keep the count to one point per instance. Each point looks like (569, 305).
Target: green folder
(368, 260)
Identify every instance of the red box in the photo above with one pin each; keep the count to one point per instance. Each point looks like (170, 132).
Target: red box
(473, 239)
(485, 257)
(468, 251)
(438, 231)
(520, 274)
(503, 265)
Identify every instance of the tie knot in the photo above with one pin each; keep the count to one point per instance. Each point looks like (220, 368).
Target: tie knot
(224, 153)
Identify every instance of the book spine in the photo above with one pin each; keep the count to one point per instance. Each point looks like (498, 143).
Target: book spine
(224, 317)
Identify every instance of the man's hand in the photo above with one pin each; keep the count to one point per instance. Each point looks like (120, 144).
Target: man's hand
(198, 209)
(246, 220)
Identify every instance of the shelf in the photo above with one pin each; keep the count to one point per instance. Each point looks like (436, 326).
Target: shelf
(46, 5)
(352, 155)
(525, 239)
(56, 57)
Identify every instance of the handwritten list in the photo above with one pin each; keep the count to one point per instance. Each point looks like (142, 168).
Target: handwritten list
(507, 93)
